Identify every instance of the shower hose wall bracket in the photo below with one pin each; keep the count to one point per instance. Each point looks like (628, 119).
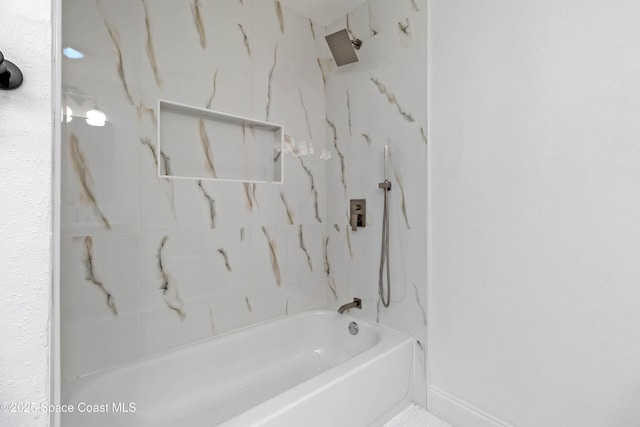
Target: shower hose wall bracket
(385, 185)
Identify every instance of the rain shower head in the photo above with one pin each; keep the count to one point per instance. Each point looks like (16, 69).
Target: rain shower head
(343, 48)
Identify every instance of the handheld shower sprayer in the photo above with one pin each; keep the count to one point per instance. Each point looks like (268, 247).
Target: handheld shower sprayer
(384, 252)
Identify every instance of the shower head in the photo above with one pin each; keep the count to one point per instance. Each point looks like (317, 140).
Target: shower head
(343, 48)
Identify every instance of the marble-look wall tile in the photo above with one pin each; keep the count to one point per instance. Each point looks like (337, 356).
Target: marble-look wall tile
(370, 104)
(335, 252)
(181, 275)
(365, 120)
(304, 256)
(186, 69)
(100, 173)
(268, 257)
(362, 269)
(304, 269)
(229, 311)
(289, 88)
(98, 303)
(170, 203)
(407, 311)
(337, 169)
(210, 257)
(106, 32)
(420, 384)
(338, 24)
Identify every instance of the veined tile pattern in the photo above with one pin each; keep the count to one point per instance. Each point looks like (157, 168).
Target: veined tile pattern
(151, 53)
(304, 248)
(224, 255)
(287, 208)
(88, 318)
(206, 147)
(91, 275)
(169, 288)
(403, 204)
(270, 85)
(115, 38)
(79, 164)
(165, 168)
(200, 241)
(374, 27)
(312, 28)
(341, 156)
(194, 261)
(253, 194)
(245, 38)
(322, 71)
(404, 28)
(365, 125)
(211, 202)
(327, 269)
(306, 114)
(146, 110)
(392, 99)
(248, 196)
(197, 19)
(314, 190)
(165, 165)
(275, 264)
(280, 15)
(215, 86)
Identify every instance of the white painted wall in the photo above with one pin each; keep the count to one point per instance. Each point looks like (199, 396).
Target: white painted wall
(534, 301)
(25, 210)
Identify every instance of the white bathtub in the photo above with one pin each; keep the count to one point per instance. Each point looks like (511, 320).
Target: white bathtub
(303, 370)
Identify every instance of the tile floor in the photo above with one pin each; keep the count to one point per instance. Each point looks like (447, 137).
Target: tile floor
(415, 416)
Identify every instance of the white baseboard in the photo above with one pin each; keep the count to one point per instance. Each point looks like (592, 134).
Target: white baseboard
(459, 413)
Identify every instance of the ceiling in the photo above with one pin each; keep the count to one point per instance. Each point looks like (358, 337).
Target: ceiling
(323, 11)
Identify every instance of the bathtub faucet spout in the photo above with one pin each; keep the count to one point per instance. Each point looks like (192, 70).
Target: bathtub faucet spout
(357, 303)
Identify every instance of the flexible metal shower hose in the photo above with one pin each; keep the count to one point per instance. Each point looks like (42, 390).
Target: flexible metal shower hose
(384, 253)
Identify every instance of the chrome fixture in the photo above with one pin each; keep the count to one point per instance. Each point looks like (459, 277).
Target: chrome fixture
(384, 252)
(353, 328)
(10, 74)
(357, 303)
(343, 47)
(357, 213)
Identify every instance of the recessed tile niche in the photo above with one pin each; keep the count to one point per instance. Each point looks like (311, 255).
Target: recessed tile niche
(196, 143)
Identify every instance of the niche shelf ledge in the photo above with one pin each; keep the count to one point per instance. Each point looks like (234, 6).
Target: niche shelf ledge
(201, 144)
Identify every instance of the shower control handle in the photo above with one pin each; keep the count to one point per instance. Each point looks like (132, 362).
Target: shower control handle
(357, 213)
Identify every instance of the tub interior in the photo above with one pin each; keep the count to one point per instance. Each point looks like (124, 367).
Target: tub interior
(215, 380)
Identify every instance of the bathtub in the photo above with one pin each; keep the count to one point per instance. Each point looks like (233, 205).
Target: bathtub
(303, 370)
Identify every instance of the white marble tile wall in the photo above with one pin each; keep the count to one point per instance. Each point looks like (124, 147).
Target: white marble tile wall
(377, 101)
(148, 263)
(184, 260)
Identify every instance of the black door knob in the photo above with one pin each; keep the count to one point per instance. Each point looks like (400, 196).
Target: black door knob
(10, 74)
